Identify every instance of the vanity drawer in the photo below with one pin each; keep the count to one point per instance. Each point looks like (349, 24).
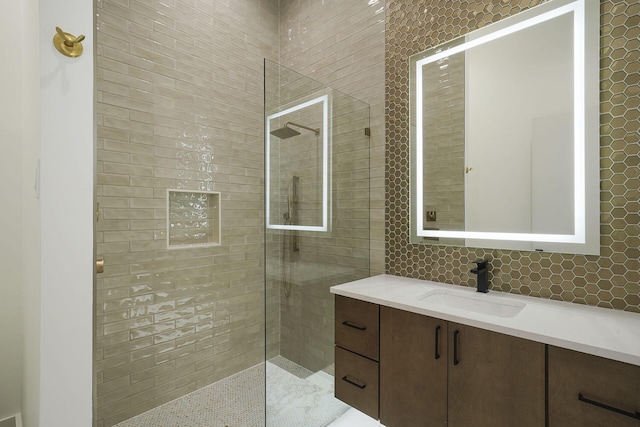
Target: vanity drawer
(356, 381)
(597, 381)
(358, 326)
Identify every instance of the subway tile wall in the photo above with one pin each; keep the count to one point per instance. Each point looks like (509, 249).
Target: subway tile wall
(610, 280)
(179, 102)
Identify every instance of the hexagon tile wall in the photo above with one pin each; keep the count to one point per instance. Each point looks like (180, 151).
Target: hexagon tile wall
(610, 280)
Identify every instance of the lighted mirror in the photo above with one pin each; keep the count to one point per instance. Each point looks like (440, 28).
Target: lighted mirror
(297, 166)
(504, 134)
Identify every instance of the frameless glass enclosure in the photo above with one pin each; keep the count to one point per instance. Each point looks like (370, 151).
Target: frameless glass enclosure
(317, 236)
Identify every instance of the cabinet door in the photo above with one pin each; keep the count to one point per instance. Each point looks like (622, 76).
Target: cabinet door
(494, 379)
(413, 369)
(599, 381)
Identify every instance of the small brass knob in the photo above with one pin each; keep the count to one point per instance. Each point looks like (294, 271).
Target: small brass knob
(100, 266)
(68, 44)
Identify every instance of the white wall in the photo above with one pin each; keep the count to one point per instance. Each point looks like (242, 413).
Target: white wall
(10, 212)
(66, 200)
(500, 133)
(30, 139)
(50, 380)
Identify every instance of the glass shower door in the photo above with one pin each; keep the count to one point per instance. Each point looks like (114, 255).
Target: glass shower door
(317, 236)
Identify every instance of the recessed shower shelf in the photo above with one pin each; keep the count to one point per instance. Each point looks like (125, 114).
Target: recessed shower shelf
(193, 219)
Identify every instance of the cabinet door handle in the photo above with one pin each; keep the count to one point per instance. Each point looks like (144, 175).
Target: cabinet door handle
(608, 407)
(455, 347)
(437, 355)
(353, 382)
(353, 325)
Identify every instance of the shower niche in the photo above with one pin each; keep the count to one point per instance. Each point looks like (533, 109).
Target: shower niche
(193, 219)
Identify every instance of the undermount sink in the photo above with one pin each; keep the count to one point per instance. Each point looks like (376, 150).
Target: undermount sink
(474, 302)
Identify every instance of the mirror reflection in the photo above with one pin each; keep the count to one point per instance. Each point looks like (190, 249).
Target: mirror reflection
(297, 167)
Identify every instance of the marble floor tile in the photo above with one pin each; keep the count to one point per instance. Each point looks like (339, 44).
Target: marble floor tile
(295, 397)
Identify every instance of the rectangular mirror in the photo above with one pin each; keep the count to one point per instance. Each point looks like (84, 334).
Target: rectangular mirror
(505, 136)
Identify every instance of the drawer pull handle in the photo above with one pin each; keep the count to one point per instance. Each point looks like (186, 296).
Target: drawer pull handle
(608, 407)
(353, 325)
(352, 382)
(437, 355)
(455, 347)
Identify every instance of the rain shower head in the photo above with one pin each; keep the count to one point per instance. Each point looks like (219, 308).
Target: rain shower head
(286, 131)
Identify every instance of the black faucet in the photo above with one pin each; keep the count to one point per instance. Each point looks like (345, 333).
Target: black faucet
(482, 267)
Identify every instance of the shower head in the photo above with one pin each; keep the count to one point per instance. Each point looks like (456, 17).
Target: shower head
(286, 131)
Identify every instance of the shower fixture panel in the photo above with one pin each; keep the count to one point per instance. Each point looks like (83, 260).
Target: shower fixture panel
(276, 138)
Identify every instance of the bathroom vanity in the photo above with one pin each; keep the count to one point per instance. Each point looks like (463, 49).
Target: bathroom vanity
(412, 352)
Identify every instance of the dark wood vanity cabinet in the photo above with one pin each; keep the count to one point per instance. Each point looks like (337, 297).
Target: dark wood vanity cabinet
(409, 370)
(435, 373)
(356, 354)
(590, 391)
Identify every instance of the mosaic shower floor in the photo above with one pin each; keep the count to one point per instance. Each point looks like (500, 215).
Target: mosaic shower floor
(296, 397)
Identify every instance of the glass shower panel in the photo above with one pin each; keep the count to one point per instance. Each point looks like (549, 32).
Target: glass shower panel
(302, 263)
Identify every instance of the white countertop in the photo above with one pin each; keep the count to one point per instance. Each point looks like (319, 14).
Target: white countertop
(613, 334)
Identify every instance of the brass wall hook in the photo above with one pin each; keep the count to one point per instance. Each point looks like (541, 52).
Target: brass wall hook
(68, 44)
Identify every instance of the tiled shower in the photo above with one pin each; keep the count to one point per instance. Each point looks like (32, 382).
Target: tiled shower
(180, 186)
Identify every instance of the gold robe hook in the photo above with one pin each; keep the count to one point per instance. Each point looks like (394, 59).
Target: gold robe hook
(68, 44)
